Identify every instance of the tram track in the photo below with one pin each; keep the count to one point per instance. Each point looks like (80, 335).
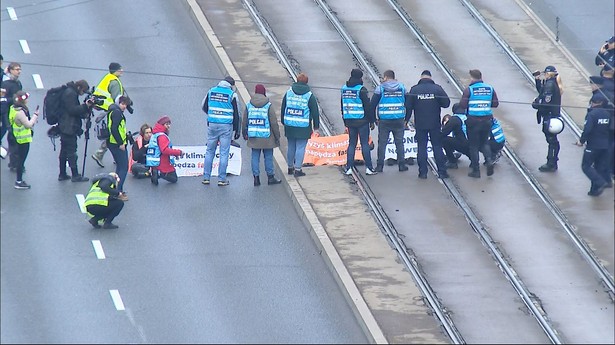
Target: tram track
(533, 304)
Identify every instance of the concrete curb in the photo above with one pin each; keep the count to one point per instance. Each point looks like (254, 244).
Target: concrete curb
(360, 309)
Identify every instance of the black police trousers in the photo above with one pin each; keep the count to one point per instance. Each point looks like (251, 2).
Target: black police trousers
(452, 144)
(553, 149)
(109, 212)
(595, 165)
(68, 153)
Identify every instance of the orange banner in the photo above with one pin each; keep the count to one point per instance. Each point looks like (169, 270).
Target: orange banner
(329, 150)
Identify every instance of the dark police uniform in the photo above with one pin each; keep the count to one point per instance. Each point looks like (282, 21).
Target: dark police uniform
(548, 104)
(457, 140)
(597, 134)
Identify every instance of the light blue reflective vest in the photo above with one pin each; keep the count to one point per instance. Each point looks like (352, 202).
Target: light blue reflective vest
(496, 130)
(463, 119)
(258, 121)
(392, 104)
(352, 106)
(220, 106)
(153, 153)
(297, 112)
(479, 103)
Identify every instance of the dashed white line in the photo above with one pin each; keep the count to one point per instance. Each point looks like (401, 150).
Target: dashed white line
(98, 249)
(24, 46)
(117, 299)
(38, 81)
(81, 201)
(12, 13)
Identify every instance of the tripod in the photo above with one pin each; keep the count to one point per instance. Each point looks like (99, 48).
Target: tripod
(88, 125)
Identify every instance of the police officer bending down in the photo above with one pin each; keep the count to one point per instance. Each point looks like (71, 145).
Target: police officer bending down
(102, 202)
(454, 136)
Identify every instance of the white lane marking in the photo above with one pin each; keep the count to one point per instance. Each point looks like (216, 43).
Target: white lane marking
(98, 249)
(12, 13)
(81, 201)
(117, 299)
(38, 81)
(24, 46)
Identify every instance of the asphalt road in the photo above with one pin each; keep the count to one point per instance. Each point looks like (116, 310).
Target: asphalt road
(189, 263)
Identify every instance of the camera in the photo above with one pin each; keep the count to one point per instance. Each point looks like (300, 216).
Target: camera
(95, 100)
(130, 136)
(536, 73)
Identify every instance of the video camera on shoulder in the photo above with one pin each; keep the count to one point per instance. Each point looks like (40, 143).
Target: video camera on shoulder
(95, 100)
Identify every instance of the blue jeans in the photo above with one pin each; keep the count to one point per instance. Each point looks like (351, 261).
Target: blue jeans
(296, 152)
(217, 132)
(361, 133)
(256, 155)
(121, 164)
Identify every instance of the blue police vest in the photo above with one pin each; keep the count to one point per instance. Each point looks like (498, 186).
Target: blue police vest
(496, 130)
(463, 119)
(480, 99)
(392, 104)
(153, 153)
(352, 106)
(220, 105)
(297, 112)
(258, 121)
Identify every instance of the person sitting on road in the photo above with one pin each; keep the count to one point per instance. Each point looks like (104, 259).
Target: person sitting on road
(137, 154)
(102, 201)
(161, 151)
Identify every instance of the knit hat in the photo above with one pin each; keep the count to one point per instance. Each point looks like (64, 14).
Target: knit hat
(114, 67)
(260, 88)
(356, 73)
(229, 80)
(426, 72)
(164, 119)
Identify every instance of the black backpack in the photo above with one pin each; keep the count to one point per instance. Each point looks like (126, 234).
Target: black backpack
(52, 104)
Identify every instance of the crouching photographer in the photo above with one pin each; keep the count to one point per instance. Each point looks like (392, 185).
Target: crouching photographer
(70, 126)
(139, 149)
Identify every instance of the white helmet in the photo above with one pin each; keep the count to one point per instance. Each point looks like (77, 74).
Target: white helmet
(556, 125)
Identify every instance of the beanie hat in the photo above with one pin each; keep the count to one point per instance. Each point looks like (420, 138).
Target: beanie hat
(163, 120)
(356, 73)
(230, 80)
(114, 67)
(260, 88)
(426, 72)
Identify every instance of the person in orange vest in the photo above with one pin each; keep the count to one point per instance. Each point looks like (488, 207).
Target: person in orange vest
(137, 155)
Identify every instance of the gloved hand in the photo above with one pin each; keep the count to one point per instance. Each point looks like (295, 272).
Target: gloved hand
(237, 135)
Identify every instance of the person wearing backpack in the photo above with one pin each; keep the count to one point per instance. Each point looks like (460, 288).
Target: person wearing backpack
(69, 123)
(21, 124)
(118, 140)
(160, 152)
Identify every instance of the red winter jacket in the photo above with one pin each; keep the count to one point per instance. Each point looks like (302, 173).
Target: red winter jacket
(166, 151)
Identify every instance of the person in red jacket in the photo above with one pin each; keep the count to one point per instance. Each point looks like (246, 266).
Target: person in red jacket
(165, 170)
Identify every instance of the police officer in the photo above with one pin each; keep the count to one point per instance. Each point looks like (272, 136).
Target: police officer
(222, 111)
(548, 104)
(497, 140)
(358, 118)
(597, 137)
(454, 136)
(110, 87)
(70, 123)
(426, 101)
(102, 201)
(479, 98)
(606, 55)
(390, 104)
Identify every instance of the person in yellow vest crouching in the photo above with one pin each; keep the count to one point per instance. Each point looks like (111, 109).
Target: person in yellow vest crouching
(102, 201)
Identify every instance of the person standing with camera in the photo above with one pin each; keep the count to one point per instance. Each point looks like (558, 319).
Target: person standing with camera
(118, 139)
(548, 104)
(21, 125)
(69, 123)
(110, 88)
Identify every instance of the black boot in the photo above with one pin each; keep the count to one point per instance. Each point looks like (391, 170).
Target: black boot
(291, 170)
(257, 181)
(272, 180)
(378, 168)
(154, 177)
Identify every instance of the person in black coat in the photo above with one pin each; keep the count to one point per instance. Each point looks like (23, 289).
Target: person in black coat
(426, 101)
(548, 103)
(606, 55)
(458, 140)
(69, 123)
(597, 135)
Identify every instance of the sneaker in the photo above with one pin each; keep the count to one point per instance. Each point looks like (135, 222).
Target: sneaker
(474, 173)
(378, 168)
(369, 171)
(291, 171)
(597, 191)
(22, 185)
(403, 167)
(109, 226)
(548, 167)
(423, 176)
(223, 183)
(299, 172)
(272, 180)
(94, 223)
(79, 178)
(348, 171)
(63, 177)
(205, 182)
(98, 161)
(123, 197)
